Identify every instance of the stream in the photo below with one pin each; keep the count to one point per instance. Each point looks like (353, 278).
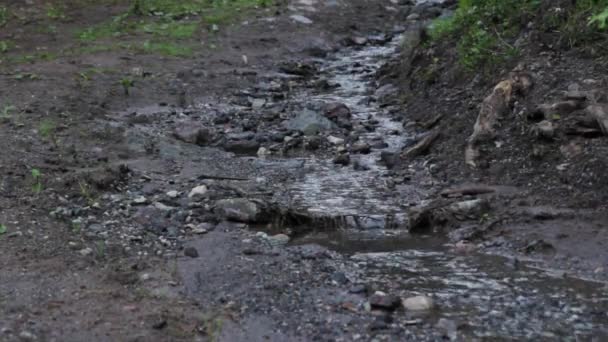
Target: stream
(485, 296)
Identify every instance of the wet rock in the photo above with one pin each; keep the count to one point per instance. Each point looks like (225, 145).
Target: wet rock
(361, 147)
(314, 143)
(191, 252)
(242, 146)
(193, 133)
(358, 288)
(339, 277)
(470, 207)
(335, 140)
(278, 240)
(544, 130)
(418, 303)
(198, 192)
(172, 194)
(309, 123)
(240, 210)
(339, 113)
(299, 69)
(448, 327)
(140, 200)
(389, 159)
(342, 159)
(298, 18)
(383, 301)
(386, 94)
(539, 246)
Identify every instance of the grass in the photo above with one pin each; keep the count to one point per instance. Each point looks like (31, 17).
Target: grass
(4, 15)
(37, 177)
(158, 27)
(485, 29)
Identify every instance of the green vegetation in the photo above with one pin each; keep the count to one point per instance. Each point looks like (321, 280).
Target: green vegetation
(127, 83)
(4, 15)
(4, 46)
(55, 13)
(600, 20)
(37, 177)
(485, 29)
(3, 229)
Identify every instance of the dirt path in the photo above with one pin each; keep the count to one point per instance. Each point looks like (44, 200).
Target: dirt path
(246, 192)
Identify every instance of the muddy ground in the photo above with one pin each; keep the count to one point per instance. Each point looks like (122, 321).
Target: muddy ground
(265, 188)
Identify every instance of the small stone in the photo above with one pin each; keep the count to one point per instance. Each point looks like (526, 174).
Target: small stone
(278, 240)
(545, 130)
(27, 336)
(172, 194)
(381, 300)
(263, 152)
(140, 200)
(191, 252)
(335, 140)
(342, 159)
(362, 148)
(418, 303)
(198, 191)
(86, 251)
(300, 19)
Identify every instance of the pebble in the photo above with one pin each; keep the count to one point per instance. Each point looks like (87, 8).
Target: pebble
(198, 191)
(191, 252)
(172, 194)
(381, 300)
(86, 251)
(418, 303)
(140, 200)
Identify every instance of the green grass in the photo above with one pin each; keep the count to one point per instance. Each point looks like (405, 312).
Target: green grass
(485, 29)
(55, 12)
(167, 49)
(4, 46)
(4, 15)
(172, 29)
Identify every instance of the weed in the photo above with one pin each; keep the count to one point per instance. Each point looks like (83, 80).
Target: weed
(175, 30)
(7, 111)
(85, 192)
(482, 28)
(26, 76)
(4, 46)
(100, 249)
(213, 324)
(4, 15)
(48, 130)
(76, 226)
(3, 229)
(37, 177)
(127, 83)
(167, 49)
(55, 13)
(599, 20)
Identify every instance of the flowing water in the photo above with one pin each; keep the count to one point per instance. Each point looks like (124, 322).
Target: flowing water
(490, 297)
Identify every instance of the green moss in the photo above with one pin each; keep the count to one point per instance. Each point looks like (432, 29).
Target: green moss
(178, 30)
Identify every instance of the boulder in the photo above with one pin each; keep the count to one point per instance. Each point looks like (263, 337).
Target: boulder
(241, 210)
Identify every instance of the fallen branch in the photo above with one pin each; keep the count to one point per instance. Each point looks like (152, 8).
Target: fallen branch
(422, 146)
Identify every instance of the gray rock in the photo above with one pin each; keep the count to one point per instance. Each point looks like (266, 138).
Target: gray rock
(300, 19)
(310, 123)
(342, 159)
(193, 133)
(242, 146)
(191, 252)
(381, 300)
(278, 240)
(418, 303)
(361, 147)
(240, 210)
